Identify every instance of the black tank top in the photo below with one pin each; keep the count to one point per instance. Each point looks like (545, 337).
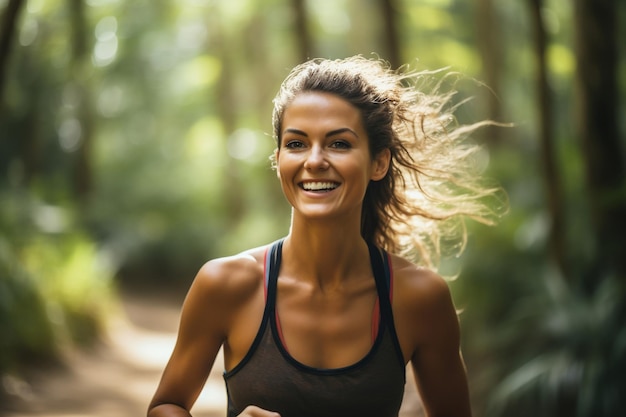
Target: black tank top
(270, 378)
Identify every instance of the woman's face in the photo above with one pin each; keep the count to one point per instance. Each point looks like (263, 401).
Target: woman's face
(323, 161)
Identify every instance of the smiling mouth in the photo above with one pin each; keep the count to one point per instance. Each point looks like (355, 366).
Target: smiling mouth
(321, 186)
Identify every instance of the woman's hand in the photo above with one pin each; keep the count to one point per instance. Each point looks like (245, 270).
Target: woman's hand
(253, 411)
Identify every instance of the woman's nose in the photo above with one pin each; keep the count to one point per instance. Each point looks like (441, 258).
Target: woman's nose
(316, 159)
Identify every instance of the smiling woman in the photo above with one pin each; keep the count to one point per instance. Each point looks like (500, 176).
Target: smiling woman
(324, 321)
(432, 183)
(324, 147)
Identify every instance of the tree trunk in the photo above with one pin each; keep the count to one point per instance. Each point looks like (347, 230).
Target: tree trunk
(82, 175)
(389, 10)
(303, 35)
(488, 35)
(598, 92)
(227, 112)
(7, 34)
(554, 193)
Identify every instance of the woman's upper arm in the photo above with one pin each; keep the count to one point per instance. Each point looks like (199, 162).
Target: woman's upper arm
(202, 331)
(436, 359)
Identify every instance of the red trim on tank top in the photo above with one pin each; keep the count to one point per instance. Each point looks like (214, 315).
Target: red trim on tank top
(375, 319)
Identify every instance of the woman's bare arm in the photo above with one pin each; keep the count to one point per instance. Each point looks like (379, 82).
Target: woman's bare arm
(219, 290)
(428, 327)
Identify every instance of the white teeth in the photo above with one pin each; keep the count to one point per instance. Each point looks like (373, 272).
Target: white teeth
(317, 186)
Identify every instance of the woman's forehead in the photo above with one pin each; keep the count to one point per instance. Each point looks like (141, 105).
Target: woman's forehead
(321, 108)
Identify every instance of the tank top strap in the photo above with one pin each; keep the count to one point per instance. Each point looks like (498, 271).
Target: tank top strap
(383, 274)
(273, 257)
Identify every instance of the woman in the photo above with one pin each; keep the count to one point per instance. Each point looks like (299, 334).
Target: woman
(324, 321)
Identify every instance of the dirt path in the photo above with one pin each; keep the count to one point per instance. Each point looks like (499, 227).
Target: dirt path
(118, 377)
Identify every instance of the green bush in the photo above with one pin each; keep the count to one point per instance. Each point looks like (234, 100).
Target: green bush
(27, 332)
(55, 288)
(574, 357)
(75, 284)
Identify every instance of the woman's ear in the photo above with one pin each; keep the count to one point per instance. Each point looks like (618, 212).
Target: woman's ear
(380, 165)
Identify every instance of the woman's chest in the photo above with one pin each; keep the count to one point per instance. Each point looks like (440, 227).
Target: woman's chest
(327, 332)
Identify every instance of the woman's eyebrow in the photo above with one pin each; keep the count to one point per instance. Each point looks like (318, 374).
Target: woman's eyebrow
(295, 131)
(331, 133)
(340, 131)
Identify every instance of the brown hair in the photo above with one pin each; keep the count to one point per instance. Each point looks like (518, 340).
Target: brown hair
(432, 183)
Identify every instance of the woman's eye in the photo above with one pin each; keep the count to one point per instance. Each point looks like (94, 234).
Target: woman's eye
(340, 144)
(294, 144)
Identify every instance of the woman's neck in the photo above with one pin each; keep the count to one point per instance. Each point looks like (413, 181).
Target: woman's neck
(326, 253)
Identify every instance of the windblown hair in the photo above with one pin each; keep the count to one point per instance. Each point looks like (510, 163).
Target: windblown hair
(433, 183)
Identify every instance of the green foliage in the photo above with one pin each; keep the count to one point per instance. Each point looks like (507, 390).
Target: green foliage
(27, 332)
(55, 288)
(74, 282)
(534, 343)
(578, 341)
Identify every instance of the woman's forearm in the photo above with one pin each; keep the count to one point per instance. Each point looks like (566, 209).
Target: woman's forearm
(168, 410)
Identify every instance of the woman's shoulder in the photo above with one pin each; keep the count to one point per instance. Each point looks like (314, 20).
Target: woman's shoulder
(232, 277)
(423, 309)
(222, 289)
(418, 286)
(233, 266)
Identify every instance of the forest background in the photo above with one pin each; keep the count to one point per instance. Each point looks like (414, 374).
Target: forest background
(134, 145)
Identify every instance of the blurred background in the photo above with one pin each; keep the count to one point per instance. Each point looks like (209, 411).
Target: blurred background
(134, 146)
